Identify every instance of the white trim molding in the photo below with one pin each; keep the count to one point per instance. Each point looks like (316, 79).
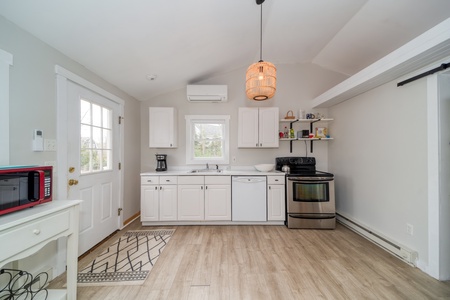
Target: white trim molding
(6, 60)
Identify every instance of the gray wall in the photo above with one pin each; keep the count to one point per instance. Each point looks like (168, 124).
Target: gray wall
(33, 105)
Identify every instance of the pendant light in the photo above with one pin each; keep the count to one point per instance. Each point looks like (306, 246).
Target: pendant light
(261, 77)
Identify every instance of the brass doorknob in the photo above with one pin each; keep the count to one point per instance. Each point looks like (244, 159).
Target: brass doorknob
(73, 182)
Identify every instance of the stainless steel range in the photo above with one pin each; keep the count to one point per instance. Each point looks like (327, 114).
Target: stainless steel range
(310, 200)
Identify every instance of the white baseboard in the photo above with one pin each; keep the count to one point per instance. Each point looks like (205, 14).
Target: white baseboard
(407, 255)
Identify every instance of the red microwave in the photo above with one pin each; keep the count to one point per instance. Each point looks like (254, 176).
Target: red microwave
(24, 186)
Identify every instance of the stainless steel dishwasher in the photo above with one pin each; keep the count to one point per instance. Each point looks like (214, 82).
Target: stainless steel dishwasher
(248, 198)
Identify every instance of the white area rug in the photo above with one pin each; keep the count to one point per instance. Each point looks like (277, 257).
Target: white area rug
(128, 261)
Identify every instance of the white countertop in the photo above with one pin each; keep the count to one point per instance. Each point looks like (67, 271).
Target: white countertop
(211, 173)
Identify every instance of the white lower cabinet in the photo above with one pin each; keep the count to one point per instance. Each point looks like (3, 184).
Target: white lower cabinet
(204, 198)
(194, 198)
(191, 198)
(276, 202)
(218, 198)
(159, 198)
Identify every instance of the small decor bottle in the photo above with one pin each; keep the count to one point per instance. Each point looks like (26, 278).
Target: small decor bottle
(291, 133)
(286, 132)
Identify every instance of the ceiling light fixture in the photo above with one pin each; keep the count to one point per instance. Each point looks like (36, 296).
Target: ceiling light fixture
(261, 77)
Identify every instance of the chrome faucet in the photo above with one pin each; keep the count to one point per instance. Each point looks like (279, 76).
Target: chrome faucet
(207, 166)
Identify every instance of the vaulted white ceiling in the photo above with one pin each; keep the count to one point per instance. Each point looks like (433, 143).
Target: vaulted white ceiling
(186, 41)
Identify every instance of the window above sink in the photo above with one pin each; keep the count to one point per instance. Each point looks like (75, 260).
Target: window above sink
(207, 140)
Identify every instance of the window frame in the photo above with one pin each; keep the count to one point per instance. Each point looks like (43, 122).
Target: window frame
(191, 120)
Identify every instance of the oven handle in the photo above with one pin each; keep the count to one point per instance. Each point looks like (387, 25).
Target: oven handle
(312, 216)
(310, 179)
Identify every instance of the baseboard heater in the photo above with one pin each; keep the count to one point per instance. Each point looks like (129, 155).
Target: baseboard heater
(407, 255)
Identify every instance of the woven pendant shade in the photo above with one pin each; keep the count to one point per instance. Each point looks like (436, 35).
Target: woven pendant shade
(261, 81)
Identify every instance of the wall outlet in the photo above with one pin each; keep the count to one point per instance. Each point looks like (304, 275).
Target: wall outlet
(409, 229)
(233, 159)
(49, 145)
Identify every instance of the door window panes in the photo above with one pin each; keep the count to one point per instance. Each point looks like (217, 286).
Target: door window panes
(96, 137)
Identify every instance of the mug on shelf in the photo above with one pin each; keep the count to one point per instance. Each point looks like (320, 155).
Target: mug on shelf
(301, 114)
(310, 116)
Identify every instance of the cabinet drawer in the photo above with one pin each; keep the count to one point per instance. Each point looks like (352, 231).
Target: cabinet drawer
(167, 179)
(23, 237)
(217, 179)
(191, 179)
(275, 179)
(149, 179)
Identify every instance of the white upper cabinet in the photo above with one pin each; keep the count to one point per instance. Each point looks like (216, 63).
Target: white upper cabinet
(258, 127)
(162, 127)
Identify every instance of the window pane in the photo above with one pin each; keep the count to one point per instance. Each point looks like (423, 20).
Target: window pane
(107, 118)
(208, 131)
(107, 140)
(96, 138)
(85, 158)
(96, 115)
(85, 109)
(96, 160)
(107, 160)
(85, 135)
(208, 149)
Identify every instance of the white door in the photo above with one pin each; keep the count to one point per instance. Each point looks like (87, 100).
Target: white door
(93, 145)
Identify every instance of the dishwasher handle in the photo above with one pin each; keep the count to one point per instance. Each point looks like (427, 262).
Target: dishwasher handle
(248, 179)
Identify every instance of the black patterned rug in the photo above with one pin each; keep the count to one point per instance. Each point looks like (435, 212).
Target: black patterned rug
(128, 261)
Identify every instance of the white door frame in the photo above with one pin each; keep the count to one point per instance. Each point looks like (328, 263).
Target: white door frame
(438, 239)
(61, 174)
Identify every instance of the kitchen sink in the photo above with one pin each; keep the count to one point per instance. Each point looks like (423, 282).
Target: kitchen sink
(206, 171)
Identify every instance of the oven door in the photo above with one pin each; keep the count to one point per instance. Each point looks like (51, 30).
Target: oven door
(310, 195)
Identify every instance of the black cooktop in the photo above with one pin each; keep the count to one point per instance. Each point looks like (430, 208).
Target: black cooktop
(300, 166)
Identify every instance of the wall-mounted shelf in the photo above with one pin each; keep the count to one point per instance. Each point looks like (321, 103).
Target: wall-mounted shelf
(311, 122)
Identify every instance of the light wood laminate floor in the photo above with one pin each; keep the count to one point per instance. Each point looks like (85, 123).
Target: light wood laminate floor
(270, 262)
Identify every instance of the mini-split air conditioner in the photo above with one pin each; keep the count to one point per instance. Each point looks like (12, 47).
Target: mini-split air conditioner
(207, 93)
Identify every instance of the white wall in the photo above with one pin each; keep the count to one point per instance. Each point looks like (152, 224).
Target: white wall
(297, 84)
(33, 105)
(379, 157)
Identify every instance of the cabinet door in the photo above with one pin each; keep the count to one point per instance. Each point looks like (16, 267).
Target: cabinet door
(191, 202)
(168, 202)
(268, 127)
(218, 202)
(149, 203)
(276, 205)
(248, 127)
(162, 127)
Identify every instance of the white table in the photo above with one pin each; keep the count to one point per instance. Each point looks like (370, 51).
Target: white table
(25, 232)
